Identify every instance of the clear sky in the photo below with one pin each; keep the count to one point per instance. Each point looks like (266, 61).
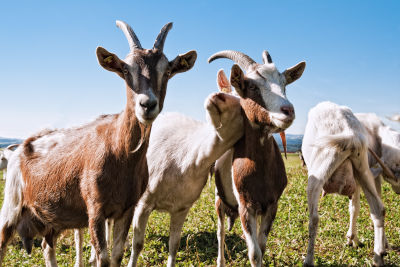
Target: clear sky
(49, 75)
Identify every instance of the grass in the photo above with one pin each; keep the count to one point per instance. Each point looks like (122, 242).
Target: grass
(286, 244)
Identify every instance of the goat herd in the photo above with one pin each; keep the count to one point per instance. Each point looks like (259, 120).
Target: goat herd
(119, 168)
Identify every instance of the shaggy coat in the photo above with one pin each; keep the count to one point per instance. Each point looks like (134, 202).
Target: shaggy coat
(82, 176)
(335, 149)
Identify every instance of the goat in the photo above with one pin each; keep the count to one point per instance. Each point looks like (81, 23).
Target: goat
(335, 149)
(383, 142)
(78, 177)
(4, 156)
(303, 164)
(395, 117)
(251, 177)
(182, 151)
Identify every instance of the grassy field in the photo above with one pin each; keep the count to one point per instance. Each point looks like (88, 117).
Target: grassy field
(286, 245)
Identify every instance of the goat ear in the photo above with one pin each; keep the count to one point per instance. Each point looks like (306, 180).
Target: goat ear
(237, 79)
(295, 72)
(109, 61)
(183, 63)
(223, 83)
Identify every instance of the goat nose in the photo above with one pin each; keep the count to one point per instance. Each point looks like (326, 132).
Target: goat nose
(148, 105)
(288, 110)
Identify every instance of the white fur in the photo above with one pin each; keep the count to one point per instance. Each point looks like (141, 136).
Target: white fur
(272, 86)
(181, 152)
(383, 141)
(12, 204)
(332, 135)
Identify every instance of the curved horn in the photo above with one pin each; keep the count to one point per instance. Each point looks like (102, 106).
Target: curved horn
(243, 60)
(11, 147)
(130, 35)
(159, 42)
(385, 169)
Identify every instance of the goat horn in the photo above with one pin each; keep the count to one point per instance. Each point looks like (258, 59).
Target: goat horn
(243, 60)
(385, 169)
(11, 147)
(159, 42)
(133, 41)
(266, 57)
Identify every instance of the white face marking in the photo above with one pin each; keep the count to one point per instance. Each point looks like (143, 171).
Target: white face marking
(272, 86)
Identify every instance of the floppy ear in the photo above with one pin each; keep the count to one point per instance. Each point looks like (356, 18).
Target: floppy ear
(183, 63)
(294, 72)
(223, 83)
(109, 61)
(237, 80)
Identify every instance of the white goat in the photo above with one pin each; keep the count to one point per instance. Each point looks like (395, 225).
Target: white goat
(383, 142)
(395, 117)
(4, 156)
(182, 152)
(335, 146)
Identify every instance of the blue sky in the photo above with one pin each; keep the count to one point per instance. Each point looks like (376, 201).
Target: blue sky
(49, 76)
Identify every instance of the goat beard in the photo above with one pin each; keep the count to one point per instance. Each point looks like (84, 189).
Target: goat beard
(283, 138)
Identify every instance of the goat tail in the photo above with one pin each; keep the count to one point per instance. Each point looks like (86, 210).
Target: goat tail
(342, 141)
(13, 198)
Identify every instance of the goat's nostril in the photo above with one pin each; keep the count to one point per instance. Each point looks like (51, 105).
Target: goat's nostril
(287, 110)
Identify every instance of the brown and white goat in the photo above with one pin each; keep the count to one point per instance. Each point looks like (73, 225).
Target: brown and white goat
(80, 177)
(251, 177)
(335, 149)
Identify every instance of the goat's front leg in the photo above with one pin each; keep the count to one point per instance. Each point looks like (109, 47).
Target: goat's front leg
(109, 226)
(219, 207)
(140, 218)
(49, 249)
(248, 220)
(78, 234)
(175, 229)
(6, 232)
(121, 229)
(354, 210)
(266, 224)
(97, 236)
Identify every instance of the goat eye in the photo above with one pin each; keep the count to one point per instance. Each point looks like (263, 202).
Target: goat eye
(125, 71)
(252, 87)
(168, 73)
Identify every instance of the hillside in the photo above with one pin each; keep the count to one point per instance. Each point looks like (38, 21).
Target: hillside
(4, 142)
(293, 142)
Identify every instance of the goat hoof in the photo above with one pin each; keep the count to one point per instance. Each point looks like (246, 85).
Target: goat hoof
(378, 260)
(308, 265)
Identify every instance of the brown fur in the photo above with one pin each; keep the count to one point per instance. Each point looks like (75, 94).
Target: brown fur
(93, 174)
(258, 170)
(97, 171)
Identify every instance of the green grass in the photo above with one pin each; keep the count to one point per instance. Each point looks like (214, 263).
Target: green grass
(286, 244)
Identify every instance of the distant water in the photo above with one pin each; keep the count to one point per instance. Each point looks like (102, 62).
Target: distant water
(5, 142)
(293, 142)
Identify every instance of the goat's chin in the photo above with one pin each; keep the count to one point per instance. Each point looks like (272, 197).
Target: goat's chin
(146, 120)
(279, 126)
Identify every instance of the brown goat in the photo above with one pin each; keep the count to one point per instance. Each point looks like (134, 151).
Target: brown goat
(80, 177)
(251, 177)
